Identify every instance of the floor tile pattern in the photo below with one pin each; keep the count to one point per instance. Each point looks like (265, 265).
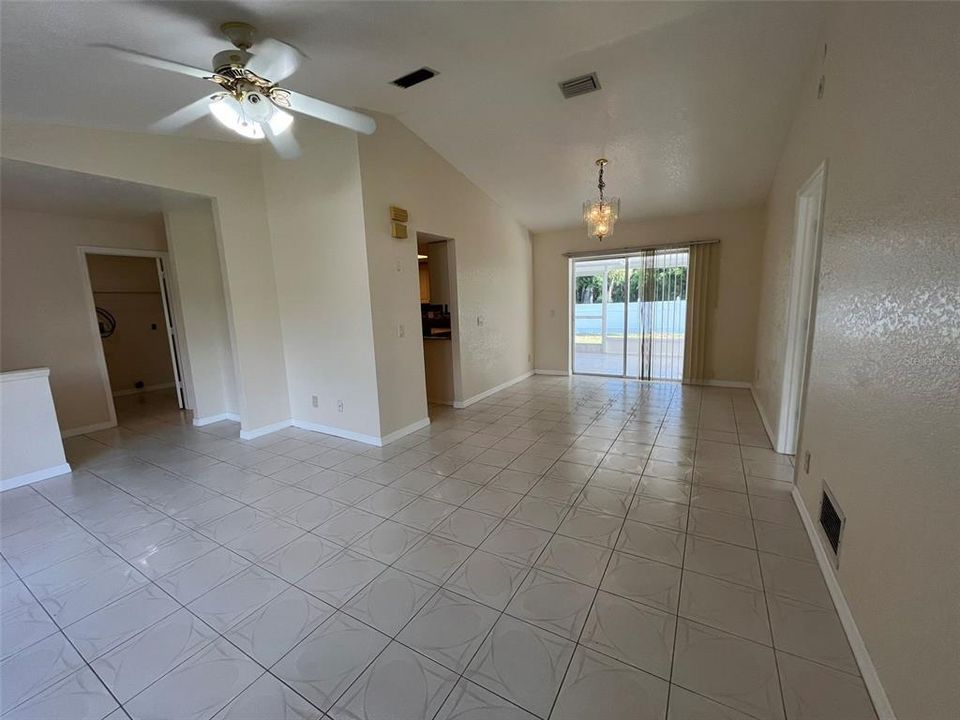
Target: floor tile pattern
(566, 548)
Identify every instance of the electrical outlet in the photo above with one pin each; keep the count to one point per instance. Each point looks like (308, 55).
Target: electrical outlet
(479, 320)
(339, 406)
(806, 462)
(316, 401)
(399, 266)
(400, 330)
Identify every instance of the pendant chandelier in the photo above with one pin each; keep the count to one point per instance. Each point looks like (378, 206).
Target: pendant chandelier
(601, 215)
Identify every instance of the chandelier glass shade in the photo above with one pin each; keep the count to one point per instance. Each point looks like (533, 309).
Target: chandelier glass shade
(601, 214)
(248, 119)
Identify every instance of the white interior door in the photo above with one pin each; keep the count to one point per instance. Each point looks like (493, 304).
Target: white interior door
(171, 332)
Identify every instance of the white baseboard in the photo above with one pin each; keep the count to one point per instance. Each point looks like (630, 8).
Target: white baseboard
(460, 404)
(145, 389)
(210, 419)
(867, 669)
(727, 383)
(374, 440)
(71, 432)
(404, 431)
(264, 430)
(763, 418)
(35, 476)
(337, 432)
(551, 372)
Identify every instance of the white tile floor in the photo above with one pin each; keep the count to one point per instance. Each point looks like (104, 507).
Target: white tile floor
(567, 548)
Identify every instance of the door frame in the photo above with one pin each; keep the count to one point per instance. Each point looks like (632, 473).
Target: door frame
(801, 312)
(167, 290)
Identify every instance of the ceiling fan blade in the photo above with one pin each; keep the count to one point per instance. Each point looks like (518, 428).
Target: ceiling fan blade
(182, 117)
(285, 144)
(156, 62)
(273, 60)
(332, 113)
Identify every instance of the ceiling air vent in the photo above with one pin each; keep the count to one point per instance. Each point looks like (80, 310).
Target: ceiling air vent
(831, 521)
(415, 78)
(580, 85)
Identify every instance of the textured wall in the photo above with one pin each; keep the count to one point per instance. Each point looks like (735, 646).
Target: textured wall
(882, 418)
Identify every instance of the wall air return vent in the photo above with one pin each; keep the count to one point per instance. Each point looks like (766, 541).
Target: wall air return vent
(831, 521)
(415, 78)
(579, 85)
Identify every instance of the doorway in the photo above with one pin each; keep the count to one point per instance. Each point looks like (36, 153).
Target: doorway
(628, 314)
(436, 266)
(802, 307)
(130, 306)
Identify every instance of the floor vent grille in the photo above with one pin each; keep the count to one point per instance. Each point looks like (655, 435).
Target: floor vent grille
(580, 85)
(831, 520)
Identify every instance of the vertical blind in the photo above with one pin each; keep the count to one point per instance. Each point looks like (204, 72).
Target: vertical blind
(661, 289)
(695, 348)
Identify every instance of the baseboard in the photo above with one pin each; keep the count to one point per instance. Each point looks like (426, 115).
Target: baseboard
(404, 431)
(460, 404)
(71, 432)
(35, 476)
(551, 372)
(337, 432)
(210, 419)
(726, 383)
(763, 418)
(264, 430)
(145, 389)
(867, 669)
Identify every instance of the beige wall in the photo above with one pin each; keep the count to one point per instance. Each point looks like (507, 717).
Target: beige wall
(734, 312)
(882, 418)
(200, 311)
(230, 173)
(44, 316)
(320, 256)
(138, 349)
(493, 279)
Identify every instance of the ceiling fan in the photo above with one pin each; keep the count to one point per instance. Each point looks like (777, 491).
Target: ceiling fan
(250, 101)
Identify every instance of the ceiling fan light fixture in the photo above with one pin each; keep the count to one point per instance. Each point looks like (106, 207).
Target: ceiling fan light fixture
(229, 112)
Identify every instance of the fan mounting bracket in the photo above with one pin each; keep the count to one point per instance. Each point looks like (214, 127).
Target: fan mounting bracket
(239, 33)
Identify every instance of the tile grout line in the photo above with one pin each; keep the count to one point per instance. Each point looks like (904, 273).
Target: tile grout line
(686, 536)
(763, 583)
(577, 643)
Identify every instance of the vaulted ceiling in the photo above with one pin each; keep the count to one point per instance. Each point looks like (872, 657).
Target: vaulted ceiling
(695, 103)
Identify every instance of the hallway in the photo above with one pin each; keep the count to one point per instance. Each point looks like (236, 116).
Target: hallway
(563, 546)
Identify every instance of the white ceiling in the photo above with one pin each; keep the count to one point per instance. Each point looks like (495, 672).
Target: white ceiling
(39, 188)
(696, 101)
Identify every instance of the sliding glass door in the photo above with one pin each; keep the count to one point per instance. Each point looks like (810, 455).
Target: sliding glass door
(599, 313)
(629, 314)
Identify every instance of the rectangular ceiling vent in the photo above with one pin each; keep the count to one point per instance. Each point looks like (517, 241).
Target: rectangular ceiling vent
(580, 85)
(415, 78)
(831, 521)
